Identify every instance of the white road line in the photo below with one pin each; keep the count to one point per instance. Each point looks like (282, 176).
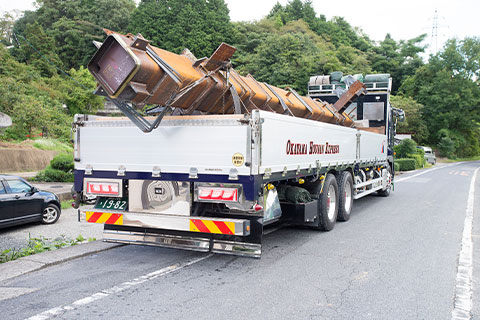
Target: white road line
(462, 304)
(427, 171)
(114, 290)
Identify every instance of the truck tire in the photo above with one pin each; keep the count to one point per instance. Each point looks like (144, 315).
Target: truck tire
(386, 192)
(345, 195)
(328, 204)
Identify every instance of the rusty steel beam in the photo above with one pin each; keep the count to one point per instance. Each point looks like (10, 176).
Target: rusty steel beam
(349, 96)
(130, 69)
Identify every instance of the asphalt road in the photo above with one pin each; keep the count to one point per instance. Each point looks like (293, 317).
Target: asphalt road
(397, 258)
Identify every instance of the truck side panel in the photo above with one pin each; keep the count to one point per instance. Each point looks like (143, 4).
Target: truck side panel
(293, 143)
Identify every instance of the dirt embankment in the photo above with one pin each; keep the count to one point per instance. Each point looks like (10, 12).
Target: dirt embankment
(23, 157)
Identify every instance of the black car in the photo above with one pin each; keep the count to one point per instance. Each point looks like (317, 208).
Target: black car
(20, 202)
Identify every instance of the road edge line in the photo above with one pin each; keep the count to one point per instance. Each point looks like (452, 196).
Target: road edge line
(426, 171)
(463, 298)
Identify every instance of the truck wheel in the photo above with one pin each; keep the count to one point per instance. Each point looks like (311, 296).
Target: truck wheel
(386, 192)
(328, 204)
(345, 195)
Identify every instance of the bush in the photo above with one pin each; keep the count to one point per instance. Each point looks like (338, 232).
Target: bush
(419, 160)
(406, 164)
(60, 169)
(406, 147)
(54, 175)
(446, 147)
(396, 166)
(63, 162)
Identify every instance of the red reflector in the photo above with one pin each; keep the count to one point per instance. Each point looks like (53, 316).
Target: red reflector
(217, 194)
(258, 207)
(230, 195)
(204, 193)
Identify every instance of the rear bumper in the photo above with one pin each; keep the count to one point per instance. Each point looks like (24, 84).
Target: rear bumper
(219, 235)
(184, 242)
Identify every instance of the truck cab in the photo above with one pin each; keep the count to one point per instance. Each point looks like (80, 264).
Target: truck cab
(371, 111)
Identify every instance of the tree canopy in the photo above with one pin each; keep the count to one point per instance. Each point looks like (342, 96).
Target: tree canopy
(199, 25)
(441, 96)
(74, 24)
(448, 87)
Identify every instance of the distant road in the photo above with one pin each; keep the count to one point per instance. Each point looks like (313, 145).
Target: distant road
(397, 258)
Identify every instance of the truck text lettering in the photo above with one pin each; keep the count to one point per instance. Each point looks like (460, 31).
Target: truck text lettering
(312, 148)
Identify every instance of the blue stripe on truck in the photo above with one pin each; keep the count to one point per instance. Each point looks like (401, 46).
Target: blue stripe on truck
(248, 182)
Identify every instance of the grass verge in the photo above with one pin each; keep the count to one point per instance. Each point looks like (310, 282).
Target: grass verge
(41, 244)
(66, 204)
(52, 144)
(476, 158)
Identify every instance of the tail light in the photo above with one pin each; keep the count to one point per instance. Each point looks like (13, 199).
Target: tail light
(217, 194)
(103, 188)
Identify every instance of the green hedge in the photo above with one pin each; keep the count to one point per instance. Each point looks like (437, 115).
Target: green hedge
(54, 175)
(63, 162)
(406, 164)
(419, 160)
(396, 166)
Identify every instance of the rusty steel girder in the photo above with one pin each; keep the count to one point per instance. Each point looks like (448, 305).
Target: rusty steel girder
(128, 68)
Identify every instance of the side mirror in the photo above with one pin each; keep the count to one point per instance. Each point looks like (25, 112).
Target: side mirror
(34, 190)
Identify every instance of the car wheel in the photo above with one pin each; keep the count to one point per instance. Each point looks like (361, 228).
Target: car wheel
(50, 214)
(345, 197)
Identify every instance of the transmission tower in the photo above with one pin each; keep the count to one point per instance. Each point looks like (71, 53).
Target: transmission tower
(434, 40)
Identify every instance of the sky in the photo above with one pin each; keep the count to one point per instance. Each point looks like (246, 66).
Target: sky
(404, 19)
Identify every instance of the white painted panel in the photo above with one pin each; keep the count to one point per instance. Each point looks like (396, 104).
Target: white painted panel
(173, 148)
(277, 130)
(372, 146)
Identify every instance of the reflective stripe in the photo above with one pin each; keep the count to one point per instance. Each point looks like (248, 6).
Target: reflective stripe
(104, 217)
(212, 226)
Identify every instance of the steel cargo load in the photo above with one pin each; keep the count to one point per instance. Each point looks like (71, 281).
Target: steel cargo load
(128, 68)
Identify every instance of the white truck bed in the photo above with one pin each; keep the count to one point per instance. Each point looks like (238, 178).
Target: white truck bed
(208, 144)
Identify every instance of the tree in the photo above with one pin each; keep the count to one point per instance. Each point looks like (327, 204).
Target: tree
(38, 49)
(199, 25)
(6, 28)
(447, 88)
(74, 24)
(77, 92)
(405, 148)
(289, 56)
(35, 102)
(400, 59)
(414, 122)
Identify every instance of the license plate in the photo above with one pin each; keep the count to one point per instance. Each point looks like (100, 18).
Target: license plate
(120, 204)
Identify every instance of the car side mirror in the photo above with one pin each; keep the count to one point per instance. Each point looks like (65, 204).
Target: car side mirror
(34, 190)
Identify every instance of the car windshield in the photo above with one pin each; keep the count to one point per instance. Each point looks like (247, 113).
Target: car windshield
(2, 188)
(18, 186)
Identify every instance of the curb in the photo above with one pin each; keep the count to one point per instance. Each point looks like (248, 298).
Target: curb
(24, 265)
